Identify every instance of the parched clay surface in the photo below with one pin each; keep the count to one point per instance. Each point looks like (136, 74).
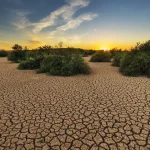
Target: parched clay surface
(103, 110)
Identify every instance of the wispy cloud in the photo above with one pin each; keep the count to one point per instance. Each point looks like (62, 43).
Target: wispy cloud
(66, 13)
(72, 24)
(23, 20)
(34, 42)
(75, 38)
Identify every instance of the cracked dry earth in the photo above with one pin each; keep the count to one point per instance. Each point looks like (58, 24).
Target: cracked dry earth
(103, 110)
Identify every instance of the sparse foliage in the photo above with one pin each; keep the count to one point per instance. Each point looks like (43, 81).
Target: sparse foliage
(30, 64)
(60, 44)
(3, 53)
(137, 61)
(100, 56)
(64, 65)
(117, 58)
(17, 47)
(17, 56)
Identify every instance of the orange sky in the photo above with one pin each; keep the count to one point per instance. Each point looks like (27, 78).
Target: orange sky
(87, 24)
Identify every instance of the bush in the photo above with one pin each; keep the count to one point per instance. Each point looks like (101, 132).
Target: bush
(74, 65)
(51, 64)
(114, 52)
(135, 64)
(144, 47)
(100, 56)
(30, 64)
(86, 53)
(17, 55)
(64, 65)
(3, 53)
(17, 47)
(137, 61)
(117, 58)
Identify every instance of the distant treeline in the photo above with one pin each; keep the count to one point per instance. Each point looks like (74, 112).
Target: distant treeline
(49, 49)
(53, 61)
(134, 62)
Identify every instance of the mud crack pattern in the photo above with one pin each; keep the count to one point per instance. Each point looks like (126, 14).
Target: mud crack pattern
(103, 110)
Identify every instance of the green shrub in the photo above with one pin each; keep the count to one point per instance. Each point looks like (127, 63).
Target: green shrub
(117, 58)
(17, 47)
(30, 64)
(17, 55)
(64, 65)
(35, 55)
(86, 53)
(74, 65)
(135, 64)
(48, 50)
(100, 56)
(114, 52)
(3, 53)
(51, 64)
(144, 47)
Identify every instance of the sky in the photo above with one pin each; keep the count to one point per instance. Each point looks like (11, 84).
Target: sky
(88, 24)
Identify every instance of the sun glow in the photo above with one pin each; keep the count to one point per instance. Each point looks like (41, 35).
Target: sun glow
(104, 48)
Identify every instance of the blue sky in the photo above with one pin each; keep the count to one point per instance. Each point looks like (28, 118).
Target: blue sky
(79, 23)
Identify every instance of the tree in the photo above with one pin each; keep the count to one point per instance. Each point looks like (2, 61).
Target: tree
(45, 47)
(60, 44)
(26, 48)
(17, 47)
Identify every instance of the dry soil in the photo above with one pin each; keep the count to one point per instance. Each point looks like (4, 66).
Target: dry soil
(103, 110)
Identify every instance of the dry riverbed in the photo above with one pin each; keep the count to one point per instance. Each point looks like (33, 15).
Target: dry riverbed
(103, 110)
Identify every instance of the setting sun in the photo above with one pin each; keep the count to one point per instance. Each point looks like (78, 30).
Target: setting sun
(104, 48)
(74, 74)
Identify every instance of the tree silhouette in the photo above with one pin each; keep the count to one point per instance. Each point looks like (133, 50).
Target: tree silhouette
(60, 44)
(17, 47)
(26, 48)
(45, 47)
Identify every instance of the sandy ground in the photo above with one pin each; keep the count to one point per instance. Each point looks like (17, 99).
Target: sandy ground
(103, 110)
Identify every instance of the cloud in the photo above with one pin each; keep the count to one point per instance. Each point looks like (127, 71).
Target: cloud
(67, 39)
(66, 12)
(23, 21)
(34, 42)
(49, 20)
(72, 24)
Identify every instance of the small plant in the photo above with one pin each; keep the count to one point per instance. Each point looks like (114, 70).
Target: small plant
(17, 47)
(51, 64)
(86, 53)
(3, 53)
(17, 55)
(35, 54)
(114, 52)
(64, 65)
(117, 58)
(137, 61)
(100, 56)
(30, 64)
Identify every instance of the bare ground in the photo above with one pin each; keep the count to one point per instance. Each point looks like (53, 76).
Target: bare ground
(103, 110)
